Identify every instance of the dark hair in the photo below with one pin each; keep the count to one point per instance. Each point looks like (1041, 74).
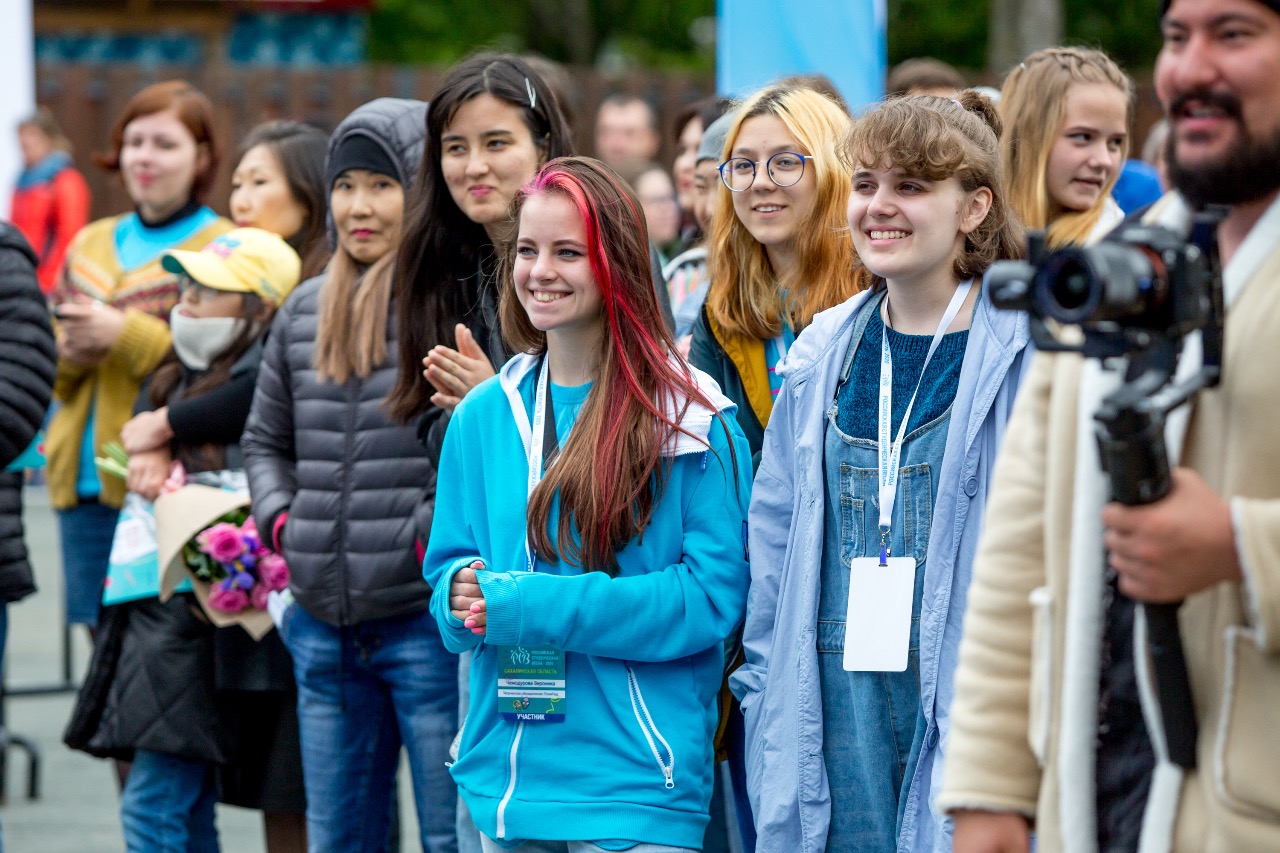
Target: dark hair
(442, 249)
(165, 379)
(194, 111)
(300, 149)
(922, 72)
(705, 111)
(623, 99)
(820, 83)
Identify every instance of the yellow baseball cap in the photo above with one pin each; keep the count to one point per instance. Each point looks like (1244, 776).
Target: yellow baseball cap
(244, 260)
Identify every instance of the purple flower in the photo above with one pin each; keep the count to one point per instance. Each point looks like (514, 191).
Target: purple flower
(222, 542)
(227, 598)
(248, 561)
(273, 571)
(240, 579)
(249, 535)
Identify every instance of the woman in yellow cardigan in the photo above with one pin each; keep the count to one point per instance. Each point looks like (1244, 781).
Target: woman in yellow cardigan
(113, 307)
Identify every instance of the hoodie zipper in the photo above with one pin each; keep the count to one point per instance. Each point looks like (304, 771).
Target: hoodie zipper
(641, 710)
(511, 785)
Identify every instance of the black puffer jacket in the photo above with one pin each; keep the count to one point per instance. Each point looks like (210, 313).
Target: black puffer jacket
(27, 365)
(357, 488)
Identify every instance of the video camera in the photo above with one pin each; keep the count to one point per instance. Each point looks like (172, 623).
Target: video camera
(1140, 293)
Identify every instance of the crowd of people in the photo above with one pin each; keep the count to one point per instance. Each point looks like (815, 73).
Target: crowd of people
(704, 509)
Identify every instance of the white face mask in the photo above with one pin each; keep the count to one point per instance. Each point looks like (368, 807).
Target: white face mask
(199, 340)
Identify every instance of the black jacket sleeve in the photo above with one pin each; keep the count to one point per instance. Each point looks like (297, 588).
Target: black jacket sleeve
(28, 359)
(217, 416)
(271, 461)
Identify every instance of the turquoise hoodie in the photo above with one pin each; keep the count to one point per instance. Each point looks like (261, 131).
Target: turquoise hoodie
(633, 761)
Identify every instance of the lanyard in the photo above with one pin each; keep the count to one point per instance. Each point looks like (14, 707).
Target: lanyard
(542, 445)
(890, 452)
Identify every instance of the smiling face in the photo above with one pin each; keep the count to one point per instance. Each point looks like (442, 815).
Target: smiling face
(159, 161)
(908, 230)
(1216, 76)
(552, 268)
(773, 215)
(1086, 154)
(260, 195)
(368, 213)
(686, 154)
(487, 154)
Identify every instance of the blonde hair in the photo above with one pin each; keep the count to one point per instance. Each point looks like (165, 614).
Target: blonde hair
(746, 294)
(935, 139)
(1033, 104)
(351, 328)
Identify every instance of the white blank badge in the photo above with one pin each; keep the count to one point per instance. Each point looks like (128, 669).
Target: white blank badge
(877, 632)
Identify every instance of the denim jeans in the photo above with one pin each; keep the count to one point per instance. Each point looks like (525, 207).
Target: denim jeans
(167, 805)
(86, 531)
(491, 846)
(364, 690)
(872, 722)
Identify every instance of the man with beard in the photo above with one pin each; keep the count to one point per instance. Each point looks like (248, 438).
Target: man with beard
(1052, 692)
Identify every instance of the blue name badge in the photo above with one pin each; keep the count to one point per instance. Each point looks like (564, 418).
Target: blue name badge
(531, 684)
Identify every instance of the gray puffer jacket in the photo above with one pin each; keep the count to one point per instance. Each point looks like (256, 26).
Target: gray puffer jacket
(357, 488)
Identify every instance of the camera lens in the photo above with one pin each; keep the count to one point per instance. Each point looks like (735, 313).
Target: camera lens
(1073, 286)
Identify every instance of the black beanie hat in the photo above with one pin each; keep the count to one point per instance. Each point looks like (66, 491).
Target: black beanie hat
(361, 151)
(1273, 5)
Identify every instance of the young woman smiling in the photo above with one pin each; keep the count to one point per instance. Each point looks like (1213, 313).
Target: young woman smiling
(492, 123)
(868, 501)
(114, 303)
(617, 562)
(1066, 113)
(777, 253)
(278, 185)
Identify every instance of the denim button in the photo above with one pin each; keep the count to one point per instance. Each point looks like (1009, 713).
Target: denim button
(931, 739)
(971, 486)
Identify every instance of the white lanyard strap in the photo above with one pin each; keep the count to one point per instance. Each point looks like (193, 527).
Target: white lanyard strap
(890, 452)
(533, 450)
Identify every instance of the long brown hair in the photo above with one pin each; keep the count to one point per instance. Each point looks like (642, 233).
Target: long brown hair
(351, 332)
(442, 249)
(610, 474)
(746, 293)
(1033, 104)
(939, 138)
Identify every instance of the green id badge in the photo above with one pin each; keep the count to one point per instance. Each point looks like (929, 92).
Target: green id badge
(531, 684)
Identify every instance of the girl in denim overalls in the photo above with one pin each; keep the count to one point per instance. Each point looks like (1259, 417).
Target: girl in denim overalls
(928, 218)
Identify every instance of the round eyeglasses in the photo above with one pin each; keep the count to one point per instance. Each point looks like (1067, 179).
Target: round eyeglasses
(785, 169)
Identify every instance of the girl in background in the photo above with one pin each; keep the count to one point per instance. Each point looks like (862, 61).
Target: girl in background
(778, 252)
(492, 124)
(51, 200)
(113, 309)
(278, 185)
(618, 562)
(344, 494)
(1066, 113)
(875, 471)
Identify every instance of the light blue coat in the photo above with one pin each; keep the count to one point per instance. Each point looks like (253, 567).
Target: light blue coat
(779, 685)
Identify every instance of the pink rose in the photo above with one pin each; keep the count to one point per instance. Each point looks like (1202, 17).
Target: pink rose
(258, 596)
(228, 599)
(273, 572)
(222, 542)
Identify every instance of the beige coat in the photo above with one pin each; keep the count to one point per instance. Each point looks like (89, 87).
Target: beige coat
(1026, 690)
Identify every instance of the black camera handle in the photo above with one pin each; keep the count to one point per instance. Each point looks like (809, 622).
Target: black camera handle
(1131, 428)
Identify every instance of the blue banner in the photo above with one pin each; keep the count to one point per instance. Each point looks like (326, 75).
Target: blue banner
(758, 41)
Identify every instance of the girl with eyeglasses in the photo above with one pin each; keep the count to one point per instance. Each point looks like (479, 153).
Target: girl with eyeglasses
(588, 535)
(868, 500)
(777, 254)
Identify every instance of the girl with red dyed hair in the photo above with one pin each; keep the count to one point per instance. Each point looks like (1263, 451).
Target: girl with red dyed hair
(589, 543)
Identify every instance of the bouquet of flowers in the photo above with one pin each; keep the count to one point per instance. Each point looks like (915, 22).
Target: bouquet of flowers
(230, 557)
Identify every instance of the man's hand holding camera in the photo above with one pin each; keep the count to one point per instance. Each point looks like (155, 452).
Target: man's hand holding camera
(1168, 550)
